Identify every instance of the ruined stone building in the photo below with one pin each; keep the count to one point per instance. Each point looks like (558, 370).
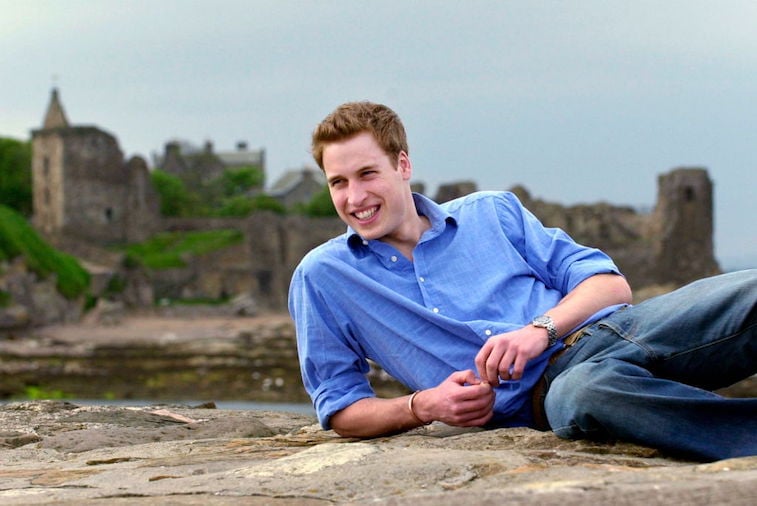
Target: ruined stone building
(83, 188)
(197, 167)
(297, 186)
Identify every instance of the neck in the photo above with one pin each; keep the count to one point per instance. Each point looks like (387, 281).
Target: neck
(408, 238)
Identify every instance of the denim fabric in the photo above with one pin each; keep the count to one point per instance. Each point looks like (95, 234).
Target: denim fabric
(644, 373)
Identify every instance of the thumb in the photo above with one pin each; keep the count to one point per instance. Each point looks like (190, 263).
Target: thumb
(464, 377)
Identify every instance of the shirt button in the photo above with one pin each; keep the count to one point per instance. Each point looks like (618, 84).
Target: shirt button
(422, 279)
(435, 310)
(394, 258)
(488, 332)
(365, 243)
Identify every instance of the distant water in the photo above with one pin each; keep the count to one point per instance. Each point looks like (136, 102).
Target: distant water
(303, 409)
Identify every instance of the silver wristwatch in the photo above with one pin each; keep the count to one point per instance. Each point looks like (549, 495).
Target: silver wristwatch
(546, 322)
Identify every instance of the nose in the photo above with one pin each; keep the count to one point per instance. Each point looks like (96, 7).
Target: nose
(355, 194)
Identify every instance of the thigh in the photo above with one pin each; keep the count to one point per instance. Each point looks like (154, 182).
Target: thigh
(703, 334)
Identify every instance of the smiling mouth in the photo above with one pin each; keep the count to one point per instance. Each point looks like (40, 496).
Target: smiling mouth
(366, 213)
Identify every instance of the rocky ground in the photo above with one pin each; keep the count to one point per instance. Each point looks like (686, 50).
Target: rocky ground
(61, 453)
(58, 452)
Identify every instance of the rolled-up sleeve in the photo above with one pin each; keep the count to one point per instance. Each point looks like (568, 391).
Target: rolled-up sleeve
(555, 257)
(332, 366)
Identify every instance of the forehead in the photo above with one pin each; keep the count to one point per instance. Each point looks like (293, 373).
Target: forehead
(356, 152)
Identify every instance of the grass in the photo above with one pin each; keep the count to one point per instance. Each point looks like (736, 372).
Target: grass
(18, 238)
(35, 393)
(170, 249)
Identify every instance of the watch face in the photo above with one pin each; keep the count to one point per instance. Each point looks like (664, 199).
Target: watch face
(541, 320)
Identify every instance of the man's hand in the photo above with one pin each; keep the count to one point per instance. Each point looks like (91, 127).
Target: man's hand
(461, 400)
(505, 355)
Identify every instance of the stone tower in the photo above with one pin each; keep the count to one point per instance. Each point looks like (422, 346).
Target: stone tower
(81, 186)
(683, 219)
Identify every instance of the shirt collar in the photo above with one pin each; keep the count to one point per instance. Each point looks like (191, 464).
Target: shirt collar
(436, 214)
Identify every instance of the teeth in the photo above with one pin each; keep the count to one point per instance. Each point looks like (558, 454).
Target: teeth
(364, 215)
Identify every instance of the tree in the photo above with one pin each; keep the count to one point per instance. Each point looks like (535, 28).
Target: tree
(238, 181)
(321, 205)
(16, 175)
(175, 198)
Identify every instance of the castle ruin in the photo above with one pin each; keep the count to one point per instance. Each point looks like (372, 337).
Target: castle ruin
(84, 192)
(83, 188)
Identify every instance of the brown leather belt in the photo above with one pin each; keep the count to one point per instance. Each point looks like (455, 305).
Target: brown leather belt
(539, 391)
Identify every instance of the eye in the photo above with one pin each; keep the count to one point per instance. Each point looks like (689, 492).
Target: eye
(334, 183)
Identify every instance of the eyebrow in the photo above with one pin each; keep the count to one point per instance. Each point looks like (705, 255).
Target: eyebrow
(357, 171)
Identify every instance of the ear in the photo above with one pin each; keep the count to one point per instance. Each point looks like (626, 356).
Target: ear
(404, 165)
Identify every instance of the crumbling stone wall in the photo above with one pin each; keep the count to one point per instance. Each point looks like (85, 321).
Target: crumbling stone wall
(672, 245)
(260, 267)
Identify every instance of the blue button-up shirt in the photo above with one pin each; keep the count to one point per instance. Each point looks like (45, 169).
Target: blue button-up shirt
(486, 266)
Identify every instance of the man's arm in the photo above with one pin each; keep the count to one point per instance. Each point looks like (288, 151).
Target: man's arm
(505, 355)
(461, 400)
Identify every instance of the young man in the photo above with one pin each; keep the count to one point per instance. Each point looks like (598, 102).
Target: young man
(494, 320)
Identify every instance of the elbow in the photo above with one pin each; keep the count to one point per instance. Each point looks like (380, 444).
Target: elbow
(343, 430)
(342, 424)
(622, 290)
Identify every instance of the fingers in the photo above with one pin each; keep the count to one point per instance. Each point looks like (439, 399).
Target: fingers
(475, 409)
(487, 363)
(464, 377)
(518, 367)
(496, 359)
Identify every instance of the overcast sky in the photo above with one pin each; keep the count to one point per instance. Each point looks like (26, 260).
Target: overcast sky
(580, 101)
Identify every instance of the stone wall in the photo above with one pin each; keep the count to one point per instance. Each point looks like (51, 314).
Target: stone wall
(673, 245)
(670, 246)
(261, 266)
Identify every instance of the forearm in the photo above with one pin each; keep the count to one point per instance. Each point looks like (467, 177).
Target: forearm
(590, 296)
(460, 400)
(372, 416)
(504, 356)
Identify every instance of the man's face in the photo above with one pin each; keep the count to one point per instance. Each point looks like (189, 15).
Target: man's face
(371, 194)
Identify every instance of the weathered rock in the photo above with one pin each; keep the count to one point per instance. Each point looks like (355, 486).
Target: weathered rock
(34, 300)
(67, 454)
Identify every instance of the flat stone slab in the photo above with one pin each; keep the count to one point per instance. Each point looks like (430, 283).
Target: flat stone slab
(62, 453)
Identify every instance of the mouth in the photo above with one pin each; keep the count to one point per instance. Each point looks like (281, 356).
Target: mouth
(366, 214)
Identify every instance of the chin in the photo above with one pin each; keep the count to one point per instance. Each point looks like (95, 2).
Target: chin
(368, 234)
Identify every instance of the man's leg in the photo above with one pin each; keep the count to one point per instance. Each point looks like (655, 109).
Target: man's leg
(635, 368)
(616, 399)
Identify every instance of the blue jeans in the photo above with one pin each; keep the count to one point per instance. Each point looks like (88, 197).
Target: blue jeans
(644, 374)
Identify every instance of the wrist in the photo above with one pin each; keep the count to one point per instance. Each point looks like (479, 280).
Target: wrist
(546, 322)
(412, 408)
